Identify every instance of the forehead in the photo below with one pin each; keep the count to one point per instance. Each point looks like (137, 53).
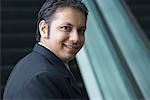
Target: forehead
(70, 15)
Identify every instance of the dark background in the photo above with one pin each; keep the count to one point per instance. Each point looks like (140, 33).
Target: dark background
(18, 26)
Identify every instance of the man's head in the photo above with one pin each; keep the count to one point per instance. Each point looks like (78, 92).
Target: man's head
(61, 27)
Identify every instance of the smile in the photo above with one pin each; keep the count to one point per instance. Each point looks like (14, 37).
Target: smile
(71, 46)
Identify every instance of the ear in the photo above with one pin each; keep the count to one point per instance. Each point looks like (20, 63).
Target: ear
(43, 28)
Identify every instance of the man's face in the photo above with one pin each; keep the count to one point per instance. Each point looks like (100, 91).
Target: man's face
(66, 33)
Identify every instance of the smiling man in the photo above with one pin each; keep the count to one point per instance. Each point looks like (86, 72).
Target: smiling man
(44, 73)
(66, 33)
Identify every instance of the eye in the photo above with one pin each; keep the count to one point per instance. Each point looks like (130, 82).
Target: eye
(81, 31)
(66, 28)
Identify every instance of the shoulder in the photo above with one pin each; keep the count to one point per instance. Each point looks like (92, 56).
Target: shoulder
(43, 84)
(33, 62)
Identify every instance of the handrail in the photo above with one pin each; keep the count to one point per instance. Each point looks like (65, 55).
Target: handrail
(116, 53)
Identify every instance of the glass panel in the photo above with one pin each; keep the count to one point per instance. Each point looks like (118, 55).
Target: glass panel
(129, 41)
(105, 73)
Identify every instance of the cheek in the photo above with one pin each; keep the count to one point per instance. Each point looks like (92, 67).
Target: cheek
(82, 40)
(59, 38)
(56, 35)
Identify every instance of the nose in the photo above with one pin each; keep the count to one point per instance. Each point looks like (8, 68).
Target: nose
(74, 36)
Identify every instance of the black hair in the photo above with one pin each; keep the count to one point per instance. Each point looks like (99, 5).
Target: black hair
(50, 7)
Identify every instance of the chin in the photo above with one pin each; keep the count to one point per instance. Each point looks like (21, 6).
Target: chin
(69, 58)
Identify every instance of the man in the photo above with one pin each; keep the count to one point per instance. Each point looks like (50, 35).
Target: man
(44, 73)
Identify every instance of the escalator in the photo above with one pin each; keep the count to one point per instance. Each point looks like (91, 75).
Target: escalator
(114, 56)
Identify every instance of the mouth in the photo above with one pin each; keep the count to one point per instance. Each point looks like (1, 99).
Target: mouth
(72, 46)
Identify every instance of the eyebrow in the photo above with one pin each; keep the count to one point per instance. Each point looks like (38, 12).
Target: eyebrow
(69, 24)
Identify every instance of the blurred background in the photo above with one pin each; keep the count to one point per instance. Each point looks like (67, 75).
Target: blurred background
(114, 63)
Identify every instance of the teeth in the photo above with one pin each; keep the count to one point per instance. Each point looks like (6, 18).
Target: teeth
(71, 46)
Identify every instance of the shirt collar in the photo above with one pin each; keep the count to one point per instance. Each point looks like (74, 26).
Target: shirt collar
(66, 64)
